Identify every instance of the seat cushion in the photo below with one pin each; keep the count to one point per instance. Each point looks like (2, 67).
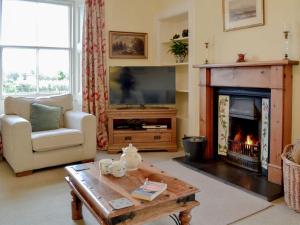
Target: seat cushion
(56, 139)
(44, 117)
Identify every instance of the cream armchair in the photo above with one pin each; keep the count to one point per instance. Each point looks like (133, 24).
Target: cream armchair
(25, 150)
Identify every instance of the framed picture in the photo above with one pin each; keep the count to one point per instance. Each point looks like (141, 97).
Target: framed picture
(238, 14)
(128, 45)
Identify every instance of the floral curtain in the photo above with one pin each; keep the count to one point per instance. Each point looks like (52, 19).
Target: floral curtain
(95, 94)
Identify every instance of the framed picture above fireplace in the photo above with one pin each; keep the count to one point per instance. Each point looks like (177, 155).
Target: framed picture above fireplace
(238, 14)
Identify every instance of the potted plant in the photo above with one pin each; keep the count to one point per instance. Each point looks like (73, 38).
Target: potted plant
(179, 49)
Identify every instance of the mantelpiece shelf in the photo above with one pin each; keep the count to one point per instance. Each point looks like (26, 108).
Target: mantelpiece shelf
(249, 64)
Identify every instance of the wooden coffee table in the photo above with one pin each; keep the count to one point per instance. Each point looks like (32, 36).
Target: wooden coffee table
(95, 191)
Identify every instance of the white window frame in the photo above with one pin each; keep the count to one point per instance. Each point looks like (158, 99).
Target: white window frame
(74, 56)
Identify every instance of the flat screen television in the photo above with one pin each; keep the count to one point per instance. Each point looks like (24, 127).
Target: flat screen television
(142, 85)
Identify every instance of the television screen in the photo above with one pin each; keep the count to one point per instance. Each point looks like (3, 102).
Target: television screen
(150, 85)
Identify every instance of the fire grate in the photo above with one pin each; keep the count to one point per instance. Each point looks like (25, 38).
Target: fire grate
(244, 155)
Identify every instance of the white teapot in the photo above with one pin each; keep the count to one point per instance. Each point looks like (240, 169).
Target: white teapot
(131, 157)
(117, 168)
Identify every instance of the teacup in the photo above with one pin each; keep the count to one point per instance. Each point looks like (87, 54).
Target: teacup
(118, 169)
(104, 165)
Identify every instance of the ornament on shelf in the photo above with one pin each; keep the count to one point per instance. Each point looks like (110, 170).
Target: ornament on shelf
(286, 33)
(241, 57)
(286, 44)
(185, 33)
(176, 36)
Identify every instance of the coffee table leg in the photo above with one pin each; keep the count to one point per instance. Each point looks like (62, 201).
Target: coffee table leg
(76, 207)
(185, 217)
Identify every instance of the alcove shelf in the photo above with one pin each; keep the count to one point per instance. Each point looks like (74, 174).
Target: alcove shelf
(170, 23)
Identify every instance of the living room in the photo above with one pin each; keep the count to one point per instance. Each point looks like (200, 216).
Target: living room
(65, 128)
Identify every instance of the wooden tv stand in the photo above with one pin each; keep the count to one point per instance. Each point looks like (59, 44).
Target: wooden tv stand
(125, 126)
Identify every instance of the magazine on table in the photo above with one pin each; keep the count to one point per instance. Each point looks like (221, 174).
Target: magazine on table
(149, 190)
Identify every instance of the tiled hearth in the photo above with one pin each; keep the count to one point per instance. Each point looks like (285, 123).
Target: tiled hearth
(237, 177)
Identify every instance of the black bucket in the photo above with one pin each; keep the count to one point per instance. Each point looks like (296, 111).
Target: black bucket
(194, 147)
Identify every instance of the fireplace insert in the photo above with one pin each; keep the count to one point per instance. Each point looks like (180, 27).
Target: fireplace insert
(243, 125)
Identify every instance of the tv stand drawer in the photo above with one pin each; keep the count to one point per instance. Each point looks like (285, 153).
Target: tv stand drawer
(142, 137)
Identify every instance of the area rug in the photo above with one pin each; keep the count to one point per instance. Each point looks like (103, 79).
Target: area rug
(220, 203)
(44, 199)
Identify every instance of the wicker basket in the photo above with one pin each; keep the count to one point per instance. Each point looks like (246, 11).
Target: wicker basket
(291, 179)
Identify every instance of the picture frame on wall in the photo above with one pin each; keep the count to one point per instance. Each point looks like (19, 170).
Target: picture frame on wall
(128, 45)
(240, 14)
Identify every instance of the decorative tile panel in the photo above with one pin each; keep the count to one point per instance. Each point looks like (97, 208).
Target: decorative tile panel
(265, 122)
(223, 124)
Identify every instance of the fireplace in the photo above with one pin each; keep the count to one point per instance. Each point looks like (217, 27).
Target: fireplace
(243, 127)
(268, 130)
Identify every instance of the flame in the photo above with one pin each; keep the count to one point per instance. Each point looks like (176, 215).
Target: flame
(249, 140)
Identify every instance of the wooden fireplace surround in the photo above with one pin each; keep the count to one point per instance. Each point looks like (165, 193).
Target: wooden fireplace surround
(273, 75)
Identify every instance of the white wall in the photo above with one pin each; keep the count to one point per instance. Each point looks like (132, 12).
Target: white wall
(259, 43)
(135, 16)
(132, 16)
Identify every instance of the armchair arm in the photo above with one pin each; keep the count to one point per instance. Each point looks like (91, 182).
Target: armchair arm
(15, 121)
(87, 124)
(16, 138)
(78, 120)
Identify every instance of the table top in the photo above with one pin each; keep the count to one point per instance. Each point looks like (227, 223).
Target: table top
(99, 189)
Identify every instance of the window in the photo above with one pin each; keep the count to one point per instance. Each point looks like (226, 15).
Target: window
(36, 47)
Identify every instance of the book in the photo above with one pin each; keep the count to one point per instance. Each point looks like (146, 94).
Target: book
(149, 190)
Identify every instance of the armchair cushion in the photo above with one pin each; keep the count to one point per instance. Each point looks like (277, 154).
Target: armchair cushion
(64, 101)
(43, 117)
(21, 106)
(18, 106)
(56, 139)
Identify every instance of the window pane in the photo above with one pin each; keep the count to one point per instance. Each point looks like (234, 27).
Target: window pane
(35, 24)
(19, 22)
(19, 71)
(53, 25)
(53, 71)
